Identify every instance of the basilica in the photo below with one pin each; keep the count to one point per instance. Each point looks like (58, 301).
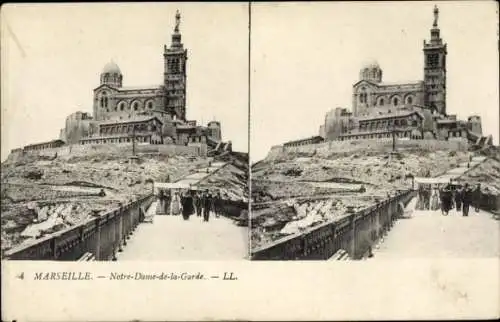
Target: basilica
(410, 110)
(147, 114)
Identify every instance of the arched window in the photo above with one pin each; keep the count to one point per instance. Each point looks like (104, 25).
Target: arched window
(150, 105)
(395, 101)
(135, 106)
(362, 95)
(381, 101)
(121, 106)
(104, 100)
(409, 100)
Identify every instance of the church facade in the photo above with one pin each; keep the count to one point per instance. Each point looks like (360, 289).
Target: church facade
(112, 101)
(149, 114)
(372, 96)
(412, 110)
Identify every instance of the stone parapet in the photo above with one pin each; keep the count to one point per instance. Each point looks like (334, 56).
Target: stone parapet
(355, 233)
(102, 236)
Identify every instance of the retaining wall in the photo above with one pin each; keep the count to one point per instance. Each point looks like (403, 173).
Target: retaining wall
(382, 145)
(124, 148)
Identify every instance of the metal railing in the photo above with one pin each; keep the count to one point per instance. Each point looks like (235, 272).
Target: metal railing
(355, 233)
(102, 236)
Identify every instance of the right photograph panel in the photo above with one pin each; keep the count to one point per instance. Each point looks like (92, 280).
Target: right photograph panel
(374, 131)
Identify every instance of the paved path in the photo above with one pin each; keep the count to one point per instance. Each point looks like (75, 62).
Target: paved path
(172, 238)
(429, 234)
(462, 168)
(201, 174)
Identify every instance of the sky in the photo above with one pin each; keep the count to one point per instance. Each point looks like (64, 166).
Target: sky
(52, 55)
(305, 57)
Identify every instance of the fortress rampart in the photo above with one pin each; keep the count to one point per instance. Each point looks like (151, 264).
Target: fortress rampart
(376, 145)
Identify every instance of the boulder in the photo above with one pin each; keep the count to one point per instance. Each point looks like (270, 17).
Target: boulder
(34, 174)
(43, 213)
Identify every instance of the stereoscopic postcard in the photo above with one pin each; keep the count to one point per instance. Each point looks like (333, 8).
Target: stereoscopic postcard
(250, 161)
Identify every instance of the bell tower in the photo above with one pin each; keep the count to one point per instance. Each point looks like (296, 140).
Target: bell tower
(435, 68)
(175, 58)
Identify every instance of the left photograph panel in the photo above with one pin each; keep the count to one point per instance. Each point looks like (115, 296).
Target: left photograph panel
(124, 132)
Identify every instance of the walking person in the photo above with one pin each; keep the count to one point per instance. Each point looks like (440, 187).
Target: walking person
(477, 197)
(420, 201)
(458, 199)
(446, 200)
(466, 199)
(223, 204)
(198, 201)
(167, 200)
(212, 202)
(435, 199)
(160, 209)
(427, 198)
(187, 205)
(207, 205)
(217, 205)
(175, 208)
(441, 199)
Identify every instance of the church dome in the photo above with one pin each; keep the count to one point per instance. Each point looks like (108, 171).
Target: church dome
(111, 68)
(111, 75)
(371, 71)
(371, 65)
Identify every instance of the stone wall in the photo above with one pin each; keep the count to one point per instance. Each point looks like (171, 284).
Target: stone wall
(202, 148)
(275, 151)
(198, 149)
(215, 130)
(14, 155)
(381, 145)
(76, 127)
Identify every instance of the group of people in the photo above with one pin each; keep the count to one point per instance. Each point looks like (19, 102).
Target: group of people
(449, 196)
(193, 202)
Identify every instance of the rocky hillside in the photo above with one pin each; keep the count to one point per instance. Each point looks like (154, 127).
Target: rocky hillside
(487, 174)
(302, 176)
(293, 192)
(41, 195)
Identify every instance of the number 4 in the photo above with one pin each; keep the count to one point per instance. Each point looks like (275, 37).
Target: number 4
(21, 276)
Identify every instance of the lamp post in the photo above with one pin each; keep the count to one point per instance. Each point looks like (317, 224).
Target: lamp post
(133, 140)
